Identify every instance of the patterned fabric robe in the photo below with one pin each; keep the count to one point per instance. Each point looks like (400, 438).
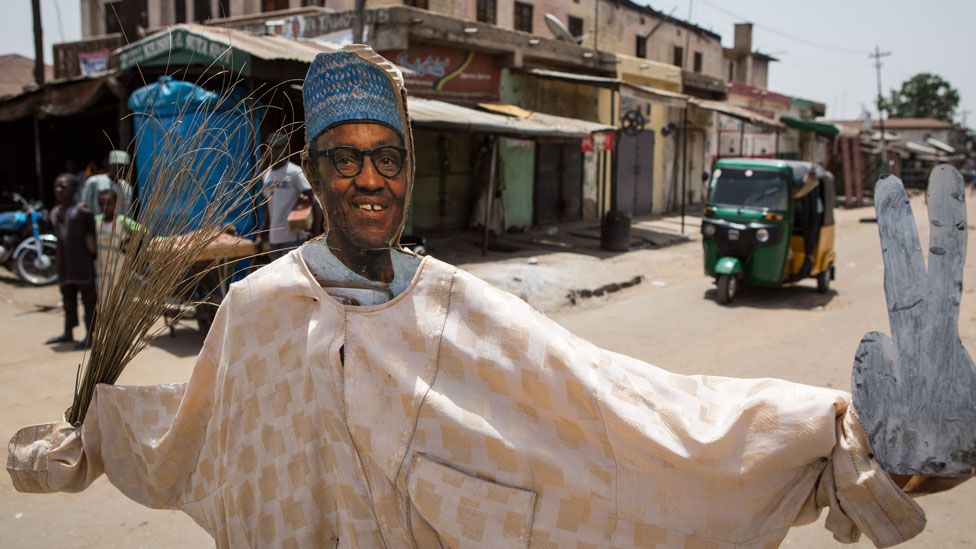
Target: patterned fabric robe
(456, 415)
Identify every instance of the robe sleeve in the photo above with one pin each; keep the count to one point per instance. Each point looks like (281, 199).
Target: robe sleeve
(742, 461)
(147, 440)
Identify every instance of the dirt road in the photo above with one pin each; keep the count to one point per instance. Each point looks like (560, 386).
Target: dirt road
(671, 320)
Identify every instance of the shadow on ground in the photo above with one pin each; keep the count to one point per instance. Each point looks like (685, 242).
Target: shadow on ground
(797, 297)
(581, 238)
(184, 341)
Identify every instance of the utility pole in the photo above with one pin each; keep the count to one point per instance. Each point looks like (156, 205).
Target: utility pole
(38, 43)
(359, 22)
(877, 55)
(39, 79)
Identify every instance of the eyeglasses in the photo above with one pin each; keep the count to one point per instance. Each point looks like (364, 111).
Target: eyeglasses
(348, 162)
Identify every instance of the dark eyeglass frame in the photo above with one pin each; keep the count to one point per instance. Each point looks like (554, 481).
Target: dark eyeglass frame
(360, 155)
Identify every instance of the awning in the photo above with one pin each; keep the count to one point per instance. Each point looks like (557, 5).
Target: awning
(944, 147)
(921, 148)
(58, 98)
(199, 44)
(664, 97)
(433, 114)
(735, 111)
(822, 128)
(562, 123)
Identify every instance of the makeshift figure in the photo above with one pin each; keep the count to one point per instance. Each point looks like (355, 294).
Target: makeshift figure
(350, 394)
(74, 224)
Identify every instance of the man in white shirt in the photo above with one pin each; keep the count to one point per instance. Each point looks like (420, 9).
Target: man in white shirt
(283, 187)
(118, 163)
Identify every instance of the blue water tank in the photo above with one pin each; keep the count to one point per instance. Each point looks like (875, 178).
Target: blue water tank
(173, 118)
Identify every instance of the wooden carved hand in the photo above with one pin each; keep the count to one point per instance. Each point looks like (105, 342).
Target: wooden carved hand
(916, 391)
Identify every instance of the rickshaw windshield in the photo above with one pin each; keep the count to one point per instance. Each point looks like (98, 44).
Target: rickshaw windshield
(750, 189)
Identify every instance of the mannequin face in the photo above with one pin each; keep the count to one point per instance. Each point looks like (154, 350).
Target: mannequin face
(367, 208)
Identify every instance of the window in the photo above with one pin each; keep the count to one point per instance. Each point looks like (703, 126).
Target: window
(487, 10)
(697, 62)
(314, 3)
(731, 70)
(125, 16)
(274, 5)
(641, 50)
(180, 9)
(201, 10)
(422, 4)
(523, 17)
(679, 56)
(112, 17)
(223, 8)
(575, 26)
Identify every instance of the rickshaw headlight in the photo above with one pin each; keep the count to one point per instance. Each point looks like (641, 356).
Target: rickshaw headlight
(709, 229)
(762, 236)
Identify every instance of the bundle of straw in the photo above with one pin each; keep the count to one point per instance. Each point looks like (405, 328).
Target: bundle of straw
(137, 289)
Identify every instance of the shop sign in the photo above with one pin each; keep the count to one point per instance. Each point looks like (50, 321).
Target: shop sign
(600, 141)
(93, 61)
(313, 25)
(447, 72)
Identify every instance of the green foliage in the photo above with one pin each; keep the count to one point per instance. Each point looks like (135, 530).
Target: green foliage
(924, 95)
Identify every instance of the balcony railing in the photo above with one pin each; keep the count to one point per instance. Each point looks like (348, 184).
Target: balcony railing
(66, 54)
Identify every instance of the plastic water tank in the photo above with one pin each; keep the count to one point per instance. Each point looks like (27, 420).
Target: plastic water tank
(615, 234)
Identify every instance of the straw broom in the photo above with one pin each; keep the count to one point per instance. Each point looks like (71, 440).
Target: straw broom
(135, 290)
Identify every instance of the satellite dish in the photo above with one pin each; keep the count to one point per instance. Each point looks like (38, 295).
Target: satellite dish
(559, 30)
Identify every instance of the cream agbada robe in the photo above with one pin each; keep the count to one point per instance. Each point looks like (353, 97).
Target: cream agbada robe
(457, 415)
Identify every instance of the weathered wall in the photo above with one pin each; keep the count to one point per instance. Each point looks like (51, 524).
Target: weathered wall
(460, 193)
(517, 171)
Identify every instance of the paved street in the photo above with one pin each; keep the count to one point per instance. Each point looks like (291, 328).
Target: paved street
(670, 319)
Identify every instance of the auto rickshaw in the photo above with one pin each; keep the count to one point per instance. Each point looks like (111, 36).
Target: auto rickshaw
(768, 223)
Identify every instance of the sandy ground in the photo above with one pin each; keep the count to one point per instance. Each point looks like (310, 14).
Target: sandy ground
(670, 319)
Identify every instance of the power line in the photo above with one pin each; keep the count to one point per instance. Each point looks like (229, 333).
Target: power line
(786, 35)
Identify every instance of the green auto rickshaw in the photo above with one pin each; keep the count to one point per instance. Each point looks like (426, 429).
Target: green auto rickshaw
(768, 223)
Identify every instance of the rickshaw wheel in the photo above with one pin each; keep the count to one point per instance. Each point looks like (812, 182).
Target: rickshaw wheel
(823, 280)
(728, 286)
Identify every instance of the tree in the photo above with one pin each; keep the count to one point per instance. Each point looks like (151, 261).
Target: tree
(924, 95)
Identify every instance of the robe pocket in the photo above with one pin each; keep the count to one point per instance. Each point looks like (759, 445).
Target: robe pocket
(468, 511)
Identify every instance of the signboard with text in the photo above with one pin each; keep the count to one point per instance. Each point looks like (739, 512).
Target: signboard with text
(448, 73)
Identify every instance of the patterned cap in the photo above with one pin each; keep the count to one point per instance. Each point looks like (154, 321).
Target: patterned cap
(352, 84)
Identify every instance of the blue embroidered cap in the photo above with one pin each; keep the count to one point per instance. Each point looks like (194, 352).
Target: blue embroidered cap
(344, 86)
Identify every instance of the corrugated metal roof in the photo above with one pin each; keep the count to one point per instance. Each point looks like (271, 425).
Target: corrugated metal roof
(430, 113)
(944, 147)
(668, 98)
(735, 111)
(921, 148)
(573, 125)
(913, 124)
(215, 42)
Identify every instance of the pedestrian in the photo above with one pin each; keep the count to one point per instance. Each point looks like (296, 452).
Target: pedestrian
(114, 232)
(74, 226)
(283, 187)
(118, 163)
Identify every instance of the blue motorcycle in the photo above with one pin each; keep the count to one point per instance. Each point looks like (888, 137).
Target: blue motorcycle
(24, 249)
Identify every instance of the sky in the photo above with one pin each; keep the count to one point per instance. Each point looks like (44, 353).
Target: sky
(822, 45)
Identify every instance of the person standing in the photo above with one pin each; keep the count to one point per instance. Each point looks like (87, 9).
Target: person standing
(283, 185)
(114, 232)
(118, 163)
(74, 226)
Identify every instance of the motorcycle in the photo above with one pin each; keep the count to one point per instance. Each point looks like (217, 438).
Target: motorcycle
(24, 249)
